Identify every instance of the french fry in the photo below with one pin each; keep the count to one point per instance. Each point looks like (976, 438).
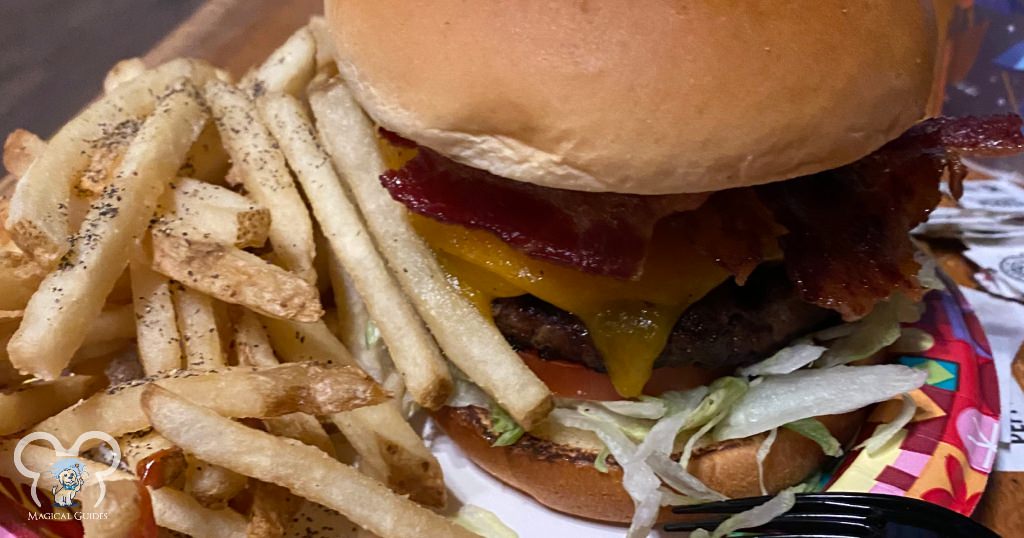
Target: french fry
(19, 279)
(127, 503)
(197, 326)
(177, 511)
(156, 324)
(213, 213)
(287, 69)
(29, 404)
(116, 322)
(122, 72)
(254, 349)
(89, 271)
(235, 276)
(21, 148)
(302, 469)
(152, 458)
(263, 171)
(38, 218)
(469, 340)
(355, 329)
(413, 350)
(389, 447)
(212, 485)
(206, 159)
(273, 508)
(325, 52)
(233, 392)
(393, 453)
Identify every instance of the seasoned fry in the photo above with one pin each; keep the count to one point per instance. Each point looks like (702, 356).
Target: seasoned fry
(19, 279)
(235, 276)
(156, 324)
(301, 427)
(206, 159)
(29, 404)
(198, 328)
(413, 350)
(468, 340)
(273, 508)
(86, 275)
(21, 148)
(304, 470)
(122, 72)
(127, 503)
(212, 213)
(263, 171)
(179, 512)
(300, 342)
(393, 453)
(212, 485)
(116, 322)
(232, 392)
(38, 220)
(287, 69)
(152, 458)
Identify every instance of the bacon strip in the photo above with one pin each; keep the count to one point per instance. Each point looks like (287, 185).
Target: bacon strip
(847, 245)
(601, 233)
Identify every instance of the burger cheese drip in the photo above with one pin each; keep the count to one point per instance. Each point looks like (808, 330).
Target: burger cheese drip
(629, 320)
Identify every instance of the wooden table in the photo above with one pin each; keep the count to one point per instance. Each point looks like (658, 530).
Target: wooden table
(235, 34)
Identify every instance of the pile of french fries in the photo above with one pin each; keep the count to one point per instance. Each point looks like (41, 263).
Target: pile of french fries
(204, 270)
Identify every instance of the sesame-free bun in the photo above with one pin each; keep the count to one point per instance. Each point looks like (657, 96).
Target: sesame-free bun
(640, 96)
(555, 465)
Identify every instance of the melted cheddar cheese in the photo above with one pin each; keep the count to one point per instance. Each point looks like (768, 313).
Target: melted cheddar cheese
(628, 320)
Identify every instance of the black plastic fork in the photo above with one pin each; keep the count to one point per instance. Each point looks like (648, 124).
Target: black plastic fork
(841, 515)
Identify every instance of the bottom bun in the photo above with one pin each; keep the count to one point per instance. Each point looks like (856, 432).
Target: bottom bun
(563, 476)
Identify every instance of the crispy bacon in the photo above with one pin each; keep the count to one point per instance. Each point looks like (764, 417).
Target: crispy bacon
(847, 244)
(601, 233)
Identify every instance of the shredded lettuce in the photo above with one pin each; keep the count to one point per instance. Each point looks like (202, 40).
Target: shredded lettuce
(786, 360)
(872, 334)
(372, 335)
(762, 453)
(648, 408)
(782, 399)
(928, 276)
(509, 431)
(722, 394)
(887, 431)
(634, 428)
(913, 340)
(483, 522)
(601, 461)
(467, 393)
(755, 517)
(814, 430)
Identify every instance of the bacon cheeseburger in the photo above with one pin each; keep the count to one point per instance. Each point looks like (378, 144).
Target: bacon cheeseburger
(688, 216)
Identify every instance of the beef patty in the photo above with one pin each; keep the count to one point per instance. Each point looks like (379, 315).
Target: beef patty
(731, 326)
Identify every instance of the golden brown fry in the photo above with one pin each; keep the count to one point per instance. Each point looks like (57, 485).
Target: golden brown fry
(88, 272)
(38, 218)
(287, 69)
(126, 502)
(122, 72)
(212, 213)
(235, 276)
(212, 485)
(263, 171)
(273, 508)
(21, 148)
(469, 340)
(412, 348)
(156, 324)
(152, 458)
(233, 392)
(301, 427)
(19, 279)
(392, 452)
(179, 512)
(197, 326)
(29, 404)
(304, 470)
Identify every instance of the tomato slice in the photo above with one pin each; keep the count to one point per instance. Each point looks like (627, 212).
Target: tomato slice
(571, 380)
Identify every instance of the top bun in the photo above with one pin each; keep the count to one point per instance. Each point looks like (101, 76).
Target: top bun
(641, 96)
